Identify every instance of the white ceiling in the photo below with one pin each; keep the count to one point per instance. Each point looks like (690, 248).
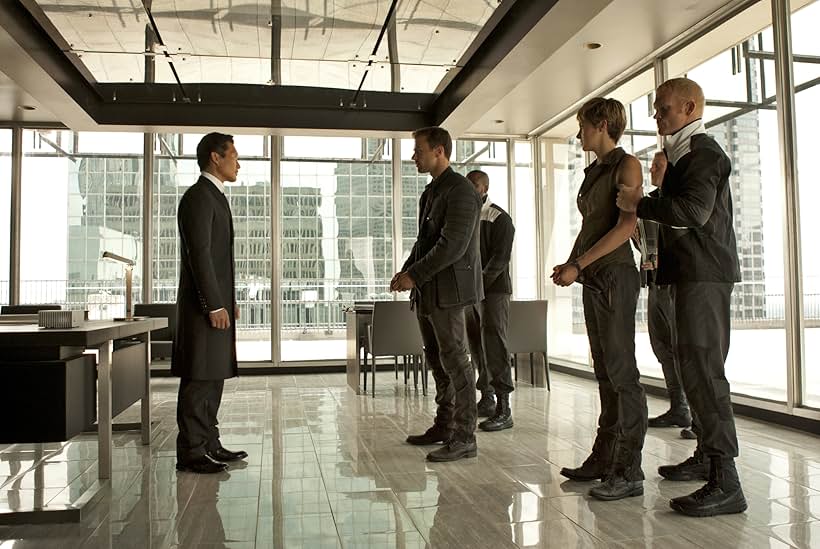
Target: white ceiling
(551, 69)
(12, 100)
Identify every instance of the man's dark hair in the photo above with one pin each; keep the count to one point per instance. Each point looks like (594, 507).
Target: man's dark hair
(435, 137)
(213, 142)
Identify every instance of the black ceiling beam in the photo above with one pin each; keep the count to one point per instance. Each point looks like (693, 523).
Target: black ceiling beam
(253, 105)
(508, 25)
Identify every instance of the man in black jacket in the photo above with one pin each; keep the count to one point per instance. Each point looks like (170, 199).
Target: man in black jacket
(444, 274)
(488, 320)
(204, 352)
(697, 256)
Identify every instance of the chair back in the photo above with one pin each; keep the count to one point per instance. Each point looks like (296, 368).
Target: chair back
(159, 310)
(395, 330)
(28, 309)
(527, 332)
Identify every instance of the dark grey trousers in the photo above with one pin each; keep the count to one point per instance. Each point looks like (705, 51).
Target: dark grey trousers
(702, 314)
(478, 355)
(661, 323)
(197, 406)
(445, 348)
(487, 324)
(610, 300)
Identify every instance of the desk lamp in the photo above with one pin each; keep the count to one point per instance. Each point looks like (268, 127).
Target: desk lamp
(129, 267)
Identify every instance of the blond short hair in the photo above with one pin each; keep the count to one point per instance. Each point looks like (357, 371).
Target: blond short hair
(600, 109)
(685, 89)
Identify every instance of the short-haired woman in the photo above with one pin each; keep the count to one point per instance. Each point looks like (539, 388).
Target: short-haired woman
(602, 261)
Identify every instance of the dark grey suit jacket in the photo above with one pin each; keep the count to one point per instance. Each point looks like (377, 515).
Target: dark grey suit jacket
(445, 262)
(206, 283)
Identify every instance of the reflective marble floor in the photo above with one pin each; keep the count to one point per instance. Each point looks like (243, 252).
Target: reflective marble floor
(328, 468)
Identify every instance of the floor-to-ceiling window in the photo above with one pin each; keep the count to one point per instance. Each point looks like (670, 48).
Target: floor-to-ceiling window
(525, 285)
(81, 196)
(175, 170)
(806, 50)
(741, 116)
(336, 240)
(5, 212)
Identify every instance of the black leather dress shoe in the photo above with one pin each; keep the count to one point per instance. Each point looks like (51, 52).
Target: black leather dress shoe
(221, 454)
(202, 465)
(432, 435)
(453, 450)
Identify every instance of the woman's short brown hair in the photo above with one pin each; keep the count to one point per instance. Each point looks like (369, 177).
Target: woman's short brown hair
(599, 109)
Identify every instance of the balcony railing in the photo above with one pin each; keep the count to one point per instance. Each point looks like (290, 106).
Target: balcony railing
(316, 306)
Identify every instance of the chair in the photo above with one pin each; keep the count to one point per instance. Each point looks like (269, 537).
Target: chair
(394, 332)
(28, 309)
(527, 333)
(162, 340)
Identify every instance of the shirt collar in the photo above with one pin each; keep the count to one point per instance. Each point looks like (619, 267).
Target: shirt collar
(214, 179)
(678, 144)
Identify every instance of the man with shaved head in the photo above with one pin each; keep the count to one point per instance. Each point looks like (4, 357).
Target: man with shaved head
(488, 320)
(697, 257)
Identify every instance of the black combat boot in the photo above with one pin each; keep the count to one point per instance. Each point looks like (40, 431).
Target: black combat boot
(722, 495)
(597, 464)
(625, 477)
(502, 418)
(693, 468)
(678, 414)
(486, 406)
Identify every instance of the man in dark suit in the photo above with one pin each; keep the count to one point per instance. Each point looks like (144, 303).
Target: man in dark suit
(444, 274)
(204, 352)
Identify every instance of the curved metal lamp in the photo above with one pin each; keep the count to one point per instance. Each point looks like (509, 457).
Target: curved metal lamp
(129, 267)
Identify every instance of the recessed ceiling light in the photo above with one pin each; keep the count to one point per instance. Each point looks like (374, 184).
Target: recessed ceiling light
(27, 108)
(499, 121)
(592, 45)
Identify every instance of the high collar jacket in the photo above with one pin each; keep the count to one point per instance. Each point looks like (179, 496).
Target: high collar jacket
(445, 262)
(694, 208)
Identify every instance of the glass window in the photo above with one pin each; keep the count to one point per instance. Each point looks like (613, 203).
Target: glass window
(567, 333)
(337, 238)
(525, 285)
(249, 198)
(5, 213)
(805, 43)
(747, 132)
(75, 206)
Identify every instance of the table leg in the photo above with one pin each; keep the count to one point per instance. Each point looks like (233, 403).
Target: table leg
(145, 401)
(106, 350)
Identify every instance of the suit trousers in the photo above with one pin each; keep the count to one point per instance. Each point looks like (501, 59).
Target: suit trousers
(490, 342)
(478, 354)
(702, 314)
(610, 300)
(445, 348)
(661, 324)
(197, 406)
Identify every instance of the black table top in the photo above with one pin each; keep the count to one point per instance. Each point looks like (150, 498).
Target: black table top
(91, 333)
